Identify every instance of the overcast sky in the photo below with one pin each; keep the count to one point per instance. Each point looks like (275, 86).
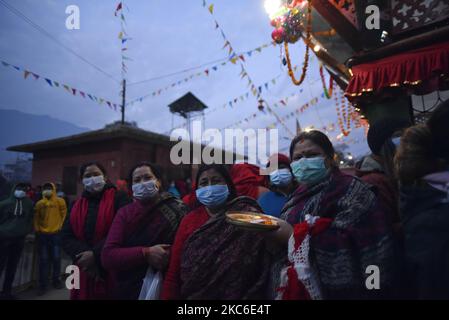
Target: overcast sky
(168, 36)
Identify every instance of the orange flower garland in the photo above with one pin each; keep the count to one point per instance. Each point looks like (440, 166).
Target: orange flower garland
(306, 55)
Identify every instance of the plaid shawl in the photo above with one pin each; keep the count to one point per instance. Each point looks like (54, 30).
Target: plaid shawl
(223, 262)
(359, 236)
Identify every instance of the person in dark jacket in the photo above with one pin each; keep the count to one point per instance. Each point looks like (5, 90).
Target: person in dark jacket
(85, 231)
(16, 221)
(377, 168)
(422, 166)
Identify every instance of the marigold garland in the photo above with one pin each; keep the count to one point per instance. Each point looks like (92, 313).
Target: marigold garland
(306, 55)
(327, 92)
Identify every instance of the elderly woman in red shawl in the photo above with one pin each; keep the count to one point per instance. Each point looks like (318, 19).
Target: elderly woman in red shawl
(340, 232)
(210, 258)
(248, 181)
(85, 231)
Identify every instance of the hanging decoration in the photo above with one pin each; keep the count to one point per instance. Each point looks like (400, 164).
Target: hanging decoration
(344, 113)
(244, 73)
(123, 36)
(327, 92)
(203, 73)
(307, 50)
(59, 84)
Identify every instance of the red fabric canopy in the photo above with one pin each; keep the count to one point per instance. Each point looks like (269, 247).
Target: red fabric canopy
(420, 71)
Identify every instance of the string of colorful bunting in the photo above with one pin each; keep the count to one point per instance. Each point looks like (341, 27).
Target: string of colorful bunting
(59, 84)
(243, 73)
(204, 73)
(123, 36)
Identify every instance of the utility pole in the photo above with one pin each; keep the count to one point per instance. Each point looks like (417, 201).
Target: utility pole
(123, 101)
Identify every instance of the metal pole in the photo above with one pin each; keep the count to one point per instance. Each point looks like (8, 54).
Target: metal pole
(123, 101)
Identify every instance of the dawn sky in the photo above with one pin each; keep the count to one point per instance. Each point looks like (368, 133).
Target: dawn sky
(167, 37)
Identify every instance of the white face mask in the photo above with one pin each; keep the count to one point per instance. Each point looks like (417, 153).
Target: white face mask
(145, 190)
(19, 194)
(94, 184)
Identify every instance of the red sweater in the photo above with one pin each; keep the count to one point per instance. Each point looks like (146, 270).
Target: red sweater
(189, 224)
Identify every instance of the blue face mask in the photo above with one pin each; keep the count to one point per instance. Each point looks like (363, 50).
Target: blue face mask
(309, 170)
(281, 177)
(213, 196)
(396, 141)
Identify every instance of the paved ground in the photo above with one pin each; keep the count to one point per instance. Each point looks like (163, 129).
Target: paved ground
(51, 294)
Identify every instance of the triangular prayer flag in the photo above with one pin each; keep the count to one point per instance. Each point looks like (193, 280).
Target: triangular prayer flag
(260, 89)
(120, 35)
(123, 17)
(101, 100)
(49, 82)
(214, 68)
(216, 25)
(259, 49)
(242, 58)
(266, 86)
(74, 91)
(82, 94)
(124, 40)
(67, 88)
(36, 76)
(206, 72)
(211, 9)
(26, 74)
(226, 44)
(204, 3)
(273, 81)
(5, 64)
(249, 53)
(16, 67)
(108, 103)
(119, 7)
(283, 102)
(90, 97)
(56, 84)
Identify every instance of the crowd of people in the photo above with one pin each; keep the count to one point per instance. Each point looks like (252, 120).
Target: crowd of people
(391, 214)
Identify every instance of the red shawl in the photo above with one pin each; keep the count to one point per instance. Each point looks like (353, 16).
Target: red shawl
(92, 289)
(247, 180)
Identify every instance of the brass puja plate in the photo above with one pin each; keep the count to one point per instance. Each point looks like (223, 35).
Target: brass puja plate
(252, 220)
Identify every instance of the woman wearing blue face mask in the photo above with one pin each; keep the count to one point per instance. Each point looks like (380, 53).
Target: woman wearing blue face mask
(142, 232)
(281, 183)
(339, 230)
(85, 230)
(212, 259)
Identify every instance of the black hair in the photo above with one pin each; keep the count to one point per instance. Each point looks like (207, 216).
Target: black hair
(224, 172)
(92, 163)
(154, 168)
(318, 138)
(47, 185)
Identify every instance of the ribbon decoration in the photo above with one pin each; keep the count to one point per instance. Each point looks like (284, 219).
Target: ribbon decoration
(59, 84)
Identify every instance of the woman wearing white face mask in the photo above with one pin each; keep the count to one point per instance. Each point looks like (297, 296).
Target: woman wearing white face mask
(142, 232)
(84, 232)
(281, 183)
(337, 221)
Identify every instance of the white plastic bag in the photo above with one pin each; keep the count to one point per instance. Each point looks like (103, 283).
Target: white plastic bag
(152, 284)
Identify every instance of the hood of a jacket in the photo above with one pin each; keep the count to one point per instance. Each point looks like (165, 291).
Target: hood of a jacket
(420, 198)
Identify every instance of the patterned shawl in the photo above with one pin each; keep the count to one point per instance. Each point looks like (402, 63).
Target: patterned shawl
(358, 236)
(223, 262)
